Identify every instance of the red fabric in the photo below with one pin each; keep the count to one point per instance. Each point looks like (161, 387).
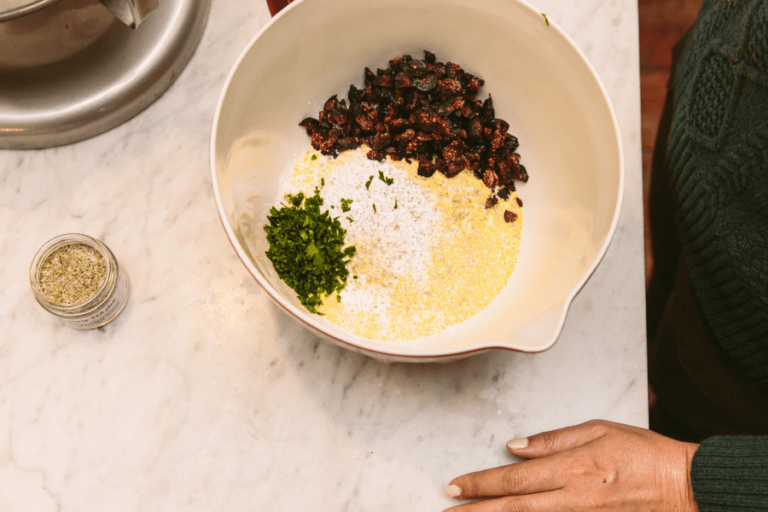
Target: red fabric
(275, 6)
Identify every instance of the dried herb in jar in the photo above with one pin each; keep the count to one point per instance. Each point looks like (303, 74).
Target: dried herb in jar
(72, 274)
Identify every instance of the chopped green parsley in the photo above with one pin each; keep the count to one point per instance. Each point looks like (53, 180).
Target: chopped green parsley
(306, 246)
(388, 181)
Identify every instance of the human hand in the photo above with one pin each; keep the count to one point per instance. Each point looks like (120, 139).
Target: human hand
(597, 465)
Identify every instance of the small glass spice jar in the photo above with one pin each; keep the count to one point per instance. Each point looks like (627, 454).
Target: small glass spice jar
(77, 278)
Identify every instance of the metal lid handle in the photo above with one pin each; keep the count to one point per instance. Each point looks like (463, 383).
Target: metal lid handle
(131, 12)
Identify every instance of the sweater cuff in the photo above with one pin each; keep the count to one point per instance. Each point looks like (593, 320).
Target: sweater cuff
(730, 473)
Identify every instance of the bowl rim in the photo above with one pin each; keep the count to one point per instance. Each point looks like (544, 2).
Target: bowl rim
(398, 352)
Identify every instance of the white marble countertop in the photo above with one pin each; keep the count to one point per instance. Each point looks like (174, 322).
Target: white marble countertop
(204, 396)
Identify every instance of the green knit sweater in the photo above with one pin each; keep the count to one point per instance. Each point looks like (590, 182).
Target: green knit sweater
(718, 160)
(731, 473)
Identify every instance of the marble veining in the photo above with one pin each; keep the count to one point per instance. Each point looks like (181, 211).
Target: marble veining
(204, 396)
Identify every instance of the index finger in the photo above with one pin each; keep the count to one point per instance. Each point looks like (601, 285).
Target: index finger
(527, 477)
(554, 501)
(560, 440)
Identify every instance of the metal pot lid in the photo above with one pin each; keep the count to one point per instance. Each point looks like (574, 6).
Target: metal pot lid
(102, 86)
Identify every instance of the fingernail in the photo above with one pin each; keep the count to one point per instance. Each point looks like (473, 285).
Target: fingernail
(454, 491)
(517, 443)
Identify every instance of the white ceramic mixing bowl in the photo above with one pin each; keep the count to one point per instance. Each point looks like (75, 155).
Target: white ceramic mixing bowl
(541, 84)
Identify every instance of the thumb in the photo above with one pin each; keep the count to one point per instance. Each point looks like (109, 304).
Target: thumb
(555, 441)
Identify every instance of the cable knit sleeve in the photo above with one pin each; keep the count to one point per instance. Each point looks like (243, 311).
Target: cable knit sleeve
(730, 473)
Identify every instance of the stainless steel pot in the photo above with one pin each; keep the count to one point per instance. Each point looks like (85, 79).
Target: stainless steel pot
(39, 32)
(69, 70)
